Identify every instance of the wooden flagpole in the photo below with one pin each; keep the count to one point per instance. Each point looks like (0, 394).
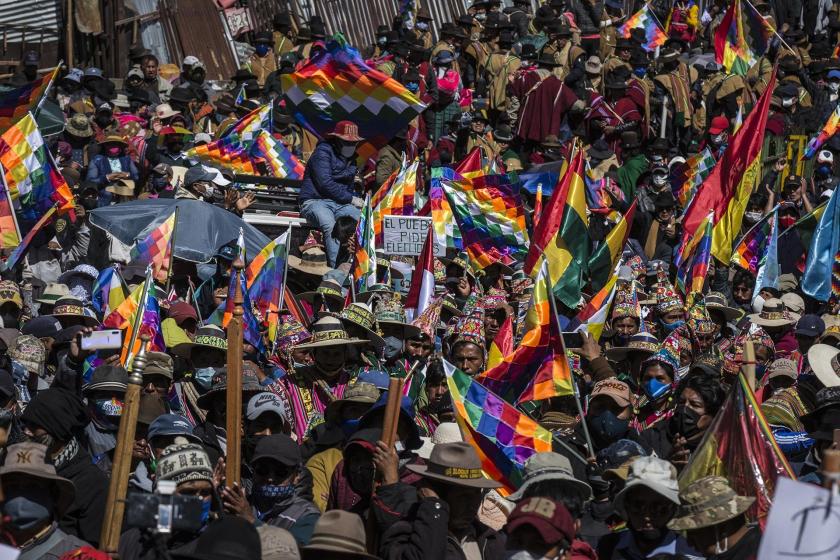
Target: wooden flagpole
(234, 382)
(118, 486)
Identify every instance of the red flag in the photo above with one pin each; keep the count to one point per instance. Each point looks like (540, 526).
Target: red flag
(727, 188)
(422, 279)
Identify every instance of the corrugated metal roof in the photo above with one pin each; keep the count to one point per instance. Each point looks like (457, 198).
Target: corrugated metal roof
(40, 16)
(358, 19)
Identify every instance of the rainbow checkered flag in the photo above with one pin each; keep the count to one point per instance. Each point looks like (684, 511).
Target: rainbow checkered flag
(156, 248)
(364, 272)
(503, 437)
(279, 161)
(31, 175)
(337, 85)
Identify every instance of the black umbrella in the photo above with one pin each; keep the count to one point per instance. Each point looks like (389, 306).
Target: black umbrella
(201, 230)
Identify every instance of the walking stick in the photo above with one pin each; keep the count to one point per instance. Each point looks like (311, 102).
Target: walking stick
(118, 486)
(234, 382)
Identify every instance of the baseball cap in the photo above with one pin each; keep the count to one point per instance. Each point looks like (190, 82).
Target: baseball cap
(376, 377)
(200, 173)
(159, 363)
(719, 124)
(171, 425)
(265, 402)
(653, 473)
(550, 518)
(782, 367)
(810, 325)
(793, 180)
(190, 61)
(617, 390)
(42, 327)
(278, 447)
(181, 311)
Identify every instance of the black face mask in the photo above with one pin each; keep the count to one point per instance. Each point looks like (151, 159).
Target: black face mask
(175, 147)
(607, 428)
(684, 422)
(10, 321)
(102, 120)
(649, 535)
(90, 203)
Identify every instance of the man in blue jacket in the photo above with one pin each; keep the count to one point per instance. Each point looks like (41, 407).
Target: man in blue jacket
(327, 192)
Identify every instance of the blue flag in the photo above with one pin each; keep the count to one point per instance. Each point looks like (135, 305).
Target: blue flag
(768, 267)
(817, 279)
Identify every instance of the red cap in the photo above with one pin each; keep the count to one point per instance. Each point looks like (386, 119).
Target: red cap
(719, 124)
(550, 518)
(180, 311)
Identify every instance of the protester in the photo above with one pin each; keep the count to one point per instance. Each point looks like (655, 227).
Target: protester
(507, 275)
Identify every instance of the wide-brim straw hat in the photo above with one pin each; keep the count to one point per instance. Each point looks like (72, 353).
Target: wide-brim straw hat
(455, 463)
(313, 261)
(208, 336)
(825, 361)
(773, 314)
(328, 331)
(642, 342)
(29, 459)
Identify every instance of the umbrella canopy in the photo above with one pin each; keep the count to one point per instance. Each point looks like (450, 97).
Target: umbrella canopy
(201, 230)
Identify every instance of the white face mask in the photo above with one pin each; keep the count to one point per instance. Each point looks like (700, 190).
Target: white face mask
(752, 217)
(525, 555)
(758, 304)
(833, 87)
(788, 101)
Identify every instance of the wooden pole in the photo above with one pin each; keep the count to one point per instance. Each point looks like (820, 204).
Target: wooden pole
(234, 382)
(171, 252)
(748, 366)
(392, 412)
(118, 486)
(68, 53)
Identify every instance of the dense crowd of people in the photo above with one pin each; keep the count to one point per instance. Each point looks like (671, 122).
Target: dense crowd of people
(527, 88)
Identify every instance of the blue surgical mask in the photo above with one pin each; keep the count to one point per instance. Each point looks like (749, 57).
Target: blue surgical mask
(670, 327)
(28, 512)
(349, 427)
(640, 72)
(205, 511)
(422, 26)
(393, 347)
(413, 87)
(262, 49)
(204, 377)
(655, 389)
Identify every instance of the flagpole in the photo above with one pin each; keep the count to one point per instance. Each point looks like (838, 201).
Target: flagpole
(171, 250)
(773, 29)
(283, 287)
(11, 204)
(138, 318)
(195, 301)
(49, 86)
(575, 389)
